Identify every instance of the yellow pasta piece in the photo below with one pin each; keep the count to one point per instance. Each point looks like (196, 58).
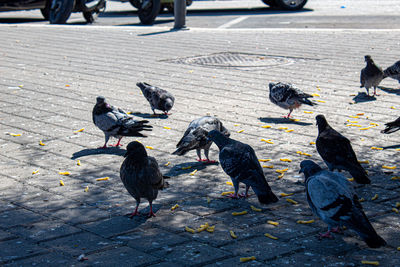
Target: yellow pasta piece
(233, 234)
(86, 188)
(64, 173)
(375, 197)
(62, 183)
(190, 230)
(236, 213)
(227, 193)
(174, 207)
(254, 208)
(392, 107)
(210, 229)
(364, 161)
(315, 94)
(286, 160)
(229, 183)
(289, 131)
(191, 71)
(167, 128)
(354, 117)
(361, 199)
(186, 168)
(273, 223)
(103, 179)
(240, 131)
(349, 121)
(304, 154)
(285, 194)
(208, 200)
(193, 172)
(149, 147)
(281, 176)
(266, 126)
(395, 210)
(268, 166)
(305, 222)
(13, 134)
(78, 162)
(312, 143)
(236, 124)
(129, 113)
(264, 160)
(321, 101)
(294, 119)
(270, 236)
(246, 259)
(398, 248)
(80, 130)
(34, 172)
(308, 112)
(138, 141)
(41, 143)
(282, 128)
(366, 128)
(360, 114)
(376, 148)
(388, 167)
(373, 124)
(294, 202)
(21, 85)
(395, 178)
(397, 204)
(350, 179)
(282, 171)
(166, 164)
(267, 141)
(202, 228)
(67, 85)
(376, 263)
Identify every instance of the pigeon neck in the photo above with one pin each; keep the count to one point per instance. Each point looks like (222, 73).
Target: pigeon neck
(221, 141)
(308, 172)
(322, 125)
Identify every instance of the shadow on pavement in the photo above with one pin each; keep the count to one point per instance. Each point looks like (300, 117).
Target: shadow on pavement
(96, 151)
(149, 115)
(187, 167)
(392, 147)
(390, 90)
(283, 120)
(362, 97)
(20, 20)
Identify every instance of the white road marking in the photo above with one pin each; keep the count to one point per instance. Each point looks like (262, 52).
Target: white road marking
(233, 22)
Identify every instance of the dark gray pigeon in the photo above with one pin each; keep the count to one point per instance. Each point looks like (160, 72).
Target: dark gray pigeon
(195, 137)
(240, 162)
(141, 175)
(371, 75)
(332, 198)
(158, 98)
(337, 152)
(115, 122)
(392, 127)
(393, 71)
(288, 96)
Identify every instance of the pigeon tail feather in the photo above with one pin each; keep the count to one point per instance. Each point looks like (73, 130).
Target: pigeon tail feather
(307, 102)
(180, 151)
(375, 241)
(270, 197)
(359, 175)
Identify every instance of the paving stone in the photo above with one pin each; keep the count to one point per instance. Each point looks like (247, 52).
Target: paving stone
(177, 220)
(307, 258)
(79, 214)
(236, 261)
(49, 259)
(18, 248)
(4, 235)
(19, 217)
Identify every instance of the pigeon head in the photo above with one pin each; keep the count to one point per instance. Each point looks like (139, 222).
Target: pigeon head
(218, 138)
(368, 58)
(135, 150)
(101, 101)
(321, 122)
(168, 104)
(271, 85)
(309, 168)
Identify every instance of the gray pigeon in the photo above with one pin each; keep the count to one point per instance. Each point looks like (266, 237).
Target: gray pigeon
(158, 98)
(195, 137)
(393, 71)
(371, 75)
(287, 96)
(332, 198)
(115, 122)
(141, 175)
(392, 127)
(337, 152)
(240, 162)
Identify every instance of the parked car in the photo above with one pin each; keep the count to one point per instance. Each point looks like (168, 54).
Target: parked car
(286, 4)
(57, 11)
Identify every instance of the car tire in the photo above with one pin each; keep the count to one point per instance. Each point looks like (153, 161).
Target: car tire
(291, 4)
(46, 10)
(92, 9)
(60, 11)
(270, 3)
(148, 14)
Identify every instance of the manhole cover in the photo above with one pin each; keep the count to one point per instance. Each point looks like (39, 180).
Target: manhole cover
(235, 60)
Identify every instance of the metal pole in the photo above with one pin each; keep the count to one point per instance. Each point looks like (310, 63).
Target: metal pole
(180, 14)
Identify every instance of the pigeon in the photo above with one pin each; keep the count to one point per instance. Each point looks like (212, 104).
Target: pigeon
(195, 137)
(393, 71)
(240, 162)
(332, 198)
(371, 75)
(115, 122)
(392, 127)
(288, 96)
(158, 98)
(141, 175)
(336, 151)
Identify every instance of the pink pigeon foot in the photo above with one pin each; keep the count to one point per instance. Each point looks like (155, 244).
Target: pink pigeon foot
(166, 113)
(325, 235)
(336, 230)
(236, 196)
(135, 213)
(151, 213)
(101, 147)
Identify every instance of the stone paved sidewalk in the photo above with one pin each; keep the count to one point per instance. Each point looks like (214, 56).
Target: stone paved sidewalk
(50, 77)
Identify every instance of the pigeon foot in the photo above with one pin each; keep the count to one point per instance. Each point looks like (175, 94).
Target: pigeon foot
(116, 145)
(236, 196)
(166, 113)
(336, 230)
(151, 214)
(136, 213)
(325, 235)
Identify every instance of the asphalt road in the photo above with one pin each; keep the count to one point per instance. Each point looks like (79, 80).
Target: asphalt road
(355, 14)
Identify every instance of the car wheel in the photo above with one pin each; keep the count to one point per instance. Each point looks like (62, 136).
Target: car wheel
(148, 11)
(291, 4)
(60, 11)
(91, 9)
(270, 3)
(46, 10)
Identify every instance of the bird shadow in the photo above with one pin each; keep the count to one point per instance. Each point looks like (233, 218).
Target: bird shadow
(149, 115)
(362, 97)
(188, 167)
(391, 147)
(97, 151)
(283, 120)
(390, 90)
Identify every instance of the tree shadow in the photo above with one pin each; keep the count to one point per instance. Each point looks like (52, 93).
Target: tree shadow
(188, 167)
(97, 151)
(283, 121)
(390, 90)
(362, 97)
(149, 115)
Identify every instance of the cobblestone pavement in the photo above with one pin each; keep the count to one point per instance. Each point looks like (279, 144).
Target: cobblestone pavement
(50, 77)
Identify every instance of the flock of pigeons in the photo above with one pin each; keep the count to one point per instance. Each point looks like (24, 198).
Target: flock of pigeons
(330, 195)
